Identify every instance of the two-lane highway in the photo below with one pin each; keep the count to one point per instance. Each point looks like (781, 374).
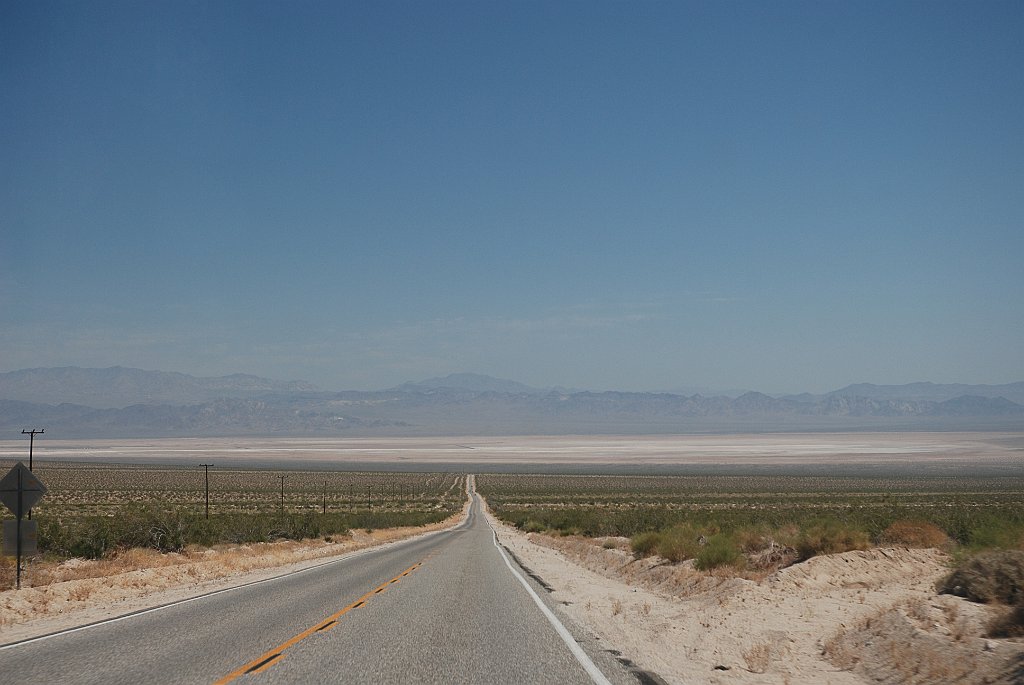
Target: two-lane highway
(445, 608)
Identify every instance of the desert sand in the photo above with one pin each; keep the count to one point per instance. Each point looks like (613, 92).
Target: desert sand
(856, 617)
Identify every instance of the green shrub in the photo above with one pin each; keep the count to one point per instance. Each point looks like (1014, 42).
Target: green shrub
(994, 533)
(644, 544)
(720, 550)
(532, 526)
(679, 543)
(830, 537)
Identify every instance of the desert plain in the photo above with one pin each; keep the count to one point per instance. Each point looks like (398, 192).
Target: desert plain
(871, 615)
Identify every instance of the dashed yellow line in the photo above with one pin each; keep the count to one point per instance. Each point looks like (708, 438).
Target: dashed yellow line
(273, 656)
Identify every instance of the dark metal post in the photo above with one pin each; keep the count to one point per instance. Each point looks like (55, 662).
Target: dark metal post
(207, 467)
(18, 513)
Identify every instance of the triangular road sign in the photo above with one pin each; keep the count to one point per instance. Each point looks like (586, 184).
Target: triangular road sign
(20, 483)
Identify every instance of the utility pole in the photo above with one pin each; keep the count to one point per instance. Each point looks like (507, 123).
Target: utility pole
(325, 497)
(368, 505)
(31, 443)
(207, 467)
(282, 477)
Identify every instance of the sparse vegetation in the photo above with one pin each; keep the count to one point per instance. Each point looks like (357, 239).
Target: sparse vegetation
(172, 530)
(94, 511)
(763, 522)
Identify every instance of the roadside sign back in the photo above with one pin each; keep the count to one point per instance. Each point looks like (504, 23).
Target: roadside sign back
(29, 538)
(31, 489)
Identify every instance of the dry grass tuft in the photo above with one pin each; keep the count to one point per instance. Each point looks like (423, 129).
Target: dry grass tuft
(915, 534)
(1008, 622)
(995, 576)
(758, 657)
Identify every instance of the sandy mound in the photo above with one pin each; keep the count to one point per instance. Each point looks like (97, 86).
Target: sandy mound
(815, 622)
(934, 641)
(870, 569)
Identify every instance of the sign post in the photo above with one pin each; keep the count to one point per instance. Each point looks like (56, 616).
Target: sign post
(20, 490)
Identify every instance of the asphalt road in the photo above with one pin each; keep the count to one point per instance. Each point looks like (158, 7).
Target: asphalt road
(447, 608)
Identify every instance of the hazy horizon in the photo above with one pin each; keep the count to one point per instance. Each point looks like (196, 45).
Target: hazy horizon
(782, 198)
(687, 390)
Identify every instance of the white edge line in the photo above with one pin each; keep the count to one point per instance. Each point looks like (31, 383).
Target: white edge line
(581, 656)
(345, 557)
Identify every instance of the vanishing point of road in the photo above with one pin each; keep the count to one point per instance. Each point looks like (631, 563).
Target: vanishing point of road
(449, 607)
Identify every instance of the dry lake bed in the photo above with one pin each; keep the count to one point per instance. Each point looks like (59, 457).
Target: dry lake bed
(910, 453)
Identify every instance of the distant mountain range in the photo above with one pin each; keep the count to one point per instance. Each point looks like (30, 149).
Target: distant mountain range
(121, 402)
(925, 392)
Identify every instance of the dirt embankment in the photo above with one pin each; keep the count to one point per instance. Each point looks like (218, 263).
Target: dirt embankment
(870, 616)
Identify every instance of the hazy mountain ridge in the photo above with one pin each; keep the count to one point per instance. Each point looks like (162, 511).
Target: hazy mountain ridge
(463, 403)
(935, 392)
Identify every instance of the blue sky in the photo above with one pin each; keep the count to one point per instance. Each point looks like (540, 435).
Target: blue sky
(777, 196)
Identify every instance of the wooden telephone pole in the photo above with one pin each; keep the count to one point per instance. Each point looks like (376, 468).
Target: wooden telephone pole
(31, 443)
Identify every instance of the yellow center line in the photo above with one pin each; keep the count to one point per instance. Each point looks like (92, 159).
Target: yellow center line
(273, 656)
